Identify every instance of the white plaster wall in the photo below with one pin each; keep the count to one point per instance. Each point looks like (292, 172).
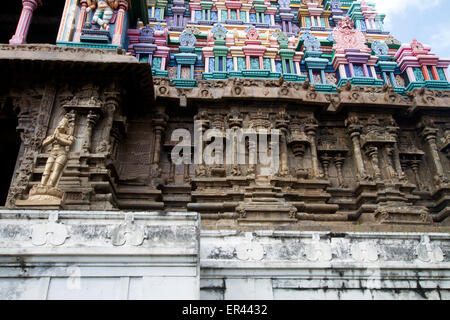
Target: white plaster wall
(139, 255)
(98, 255)
(292, 265)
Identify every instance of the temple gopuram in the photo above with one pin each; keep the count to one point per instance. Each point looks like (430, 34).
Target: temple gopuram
(110, 111)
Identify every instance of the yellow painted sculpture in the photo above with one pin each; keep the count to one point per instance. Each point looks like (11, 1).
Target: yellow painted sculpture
(59, 140)
(47, 193)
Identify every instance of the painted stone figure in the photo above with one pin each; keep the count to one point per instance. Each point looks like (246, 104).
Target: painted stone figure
(46, 193)
(104, 11)
(59, 140)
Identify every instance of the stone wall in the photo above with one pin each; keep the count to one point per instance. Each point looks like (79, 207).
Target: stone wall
(98, 255)
(137, 255)
(363, 155)
(318, 265)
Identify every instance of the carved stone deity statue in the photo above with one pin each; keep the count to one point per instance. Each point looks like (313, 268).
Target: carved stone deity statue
(104, 11)
(59, 140)
(46, 192)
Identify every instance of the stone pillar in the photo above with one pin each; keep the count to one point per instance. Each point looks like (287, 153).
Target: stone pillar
(282, 123)
(342, 71)
(186, 160)
(80, 21)
(372, 153)
(112, 100)
(234, 123)
(434, 73)
(429, 133)
(159, 126)
(171, 178)
(217, 123)
(365, 70)
(374, 73)
(410, 73)
(396, 153)
(415, 164)
(425, 73)
(390, 156)
(117, 37)
(311, 130)
(393, 81)
(199, 145)
(91, 120)
(23, 25)
(339, 163)
(252, 148)
(322, 76)
(354, 129)
(325, 159)
(352, 70)
(284, 166)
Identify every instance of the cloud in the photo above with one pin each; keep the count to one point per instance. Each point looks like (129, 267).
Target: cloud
(394, 7)
(440, 41)
(424, 20)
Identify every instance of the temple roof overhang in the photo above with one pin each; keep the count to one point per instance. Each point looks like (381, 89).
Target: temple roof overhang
(39, 61)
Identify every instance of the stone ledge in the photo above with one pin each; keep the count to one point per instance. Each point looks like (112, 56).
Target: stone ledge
(97, 234)
(49, 52)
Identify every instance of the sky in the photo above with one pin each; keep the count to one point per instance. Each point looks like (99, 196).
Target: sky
(425, 20)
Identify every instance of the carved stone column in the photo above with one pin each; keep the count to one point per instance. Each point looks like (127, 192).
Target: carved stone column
(282, 123)
(390, 156)
(112, 101)
(325, 159)
(415, 165)
(339, 163)
(354, 129)
(311, 131)
(217, 123)
(23, 25)
(92, 118)
(429, 134)
(171, 178)
(252, 148)
(394, 130)
(159, 126)
(235, 123)
(298, 142)
(203, 118)
(32, 138)
(186, 160)
(445, 142)
(372, 153)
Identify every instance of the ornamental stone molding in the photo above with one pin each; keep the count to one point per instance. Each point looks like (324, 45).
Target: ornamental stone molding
(51, 233)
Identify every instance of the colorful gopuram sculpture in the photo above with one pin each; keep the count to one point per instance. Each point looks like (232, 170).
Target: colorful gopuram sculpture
(346, 31)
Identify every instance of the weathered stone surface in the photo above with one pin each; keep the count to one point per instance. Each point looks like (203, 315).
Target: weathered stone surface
(341, 266)
(98, 255)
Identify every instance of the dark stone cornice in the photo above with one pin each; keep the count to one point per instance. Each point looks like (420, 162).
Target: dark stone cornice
(42, 62)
